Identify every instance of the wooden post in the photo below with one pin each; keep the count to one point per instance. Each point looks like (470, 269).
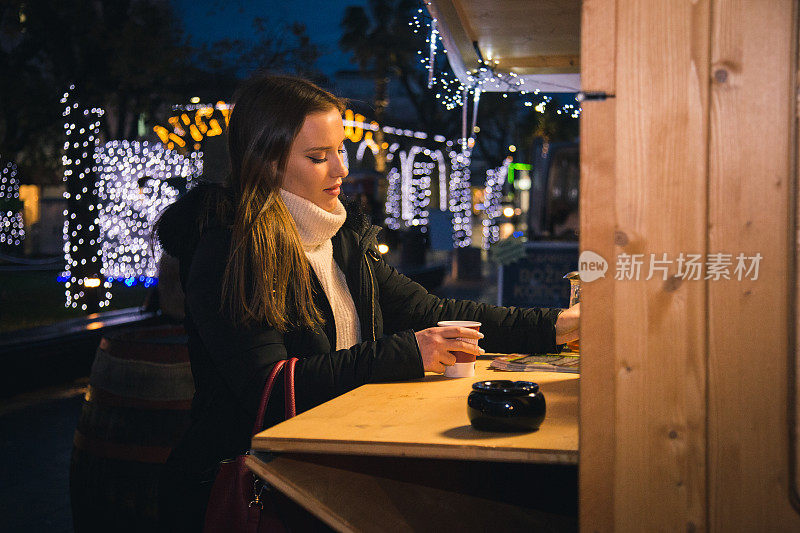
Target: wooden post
(685, 383)
(598, 224)
(751, 199)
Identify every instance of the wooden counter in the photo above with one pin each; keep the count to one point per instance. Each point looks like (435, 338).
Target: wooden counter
(403, 457)
(428, 418)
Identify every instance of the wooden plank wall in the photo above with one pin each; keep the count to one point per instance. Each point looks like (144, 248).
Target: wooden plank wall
(598, 223)
(750, 211)
(684, 393)
(794, 379)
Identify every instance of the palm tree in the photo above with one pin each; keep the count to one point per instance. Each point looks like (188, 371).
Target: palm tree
(382, 44)
(550, 126)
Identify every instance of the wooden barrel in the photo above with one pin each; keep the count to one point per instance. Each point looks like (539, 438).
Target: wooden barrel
(135, 410)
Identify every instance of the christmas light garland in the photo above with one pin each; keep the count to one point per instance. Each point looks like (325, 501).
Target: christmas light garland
(12, 229)
(114, 194)
(82, 256)
(460, 201)
(452, 93)
(408, 196)
(394, 199)
(137, 181)
(493, 195)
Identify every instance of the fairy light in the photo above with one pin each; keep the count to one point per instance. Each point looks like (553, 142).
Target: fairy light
(412, 171)
(394, 199)
(432, 56)
(447, 87)
(132, 183)
(415, 186)
(12, 229)
(82, 256)
(460, 201)
(137, 180)
(493, 195)
(449, 90)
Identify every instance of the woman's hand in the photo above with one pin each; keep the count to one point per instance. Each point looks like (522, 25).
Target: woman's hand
(567, 324)
(435, 345)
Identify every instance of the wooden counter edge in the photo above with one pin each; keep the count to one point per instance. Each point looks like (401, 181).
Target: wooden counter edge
(424, 451)
(260, 469)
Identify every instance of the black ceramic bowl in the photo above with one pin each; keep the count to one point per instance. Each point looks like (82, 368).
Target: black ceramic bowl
(504, 405)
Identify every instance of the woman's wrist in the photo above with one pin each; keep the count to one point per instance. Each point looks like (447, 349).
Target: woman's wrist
(567, 323)
(559, 345)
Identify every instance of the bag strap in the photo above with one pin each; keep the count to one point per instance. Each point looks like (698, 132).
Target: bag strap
(288, 377)
(262, 407)
(289, 395)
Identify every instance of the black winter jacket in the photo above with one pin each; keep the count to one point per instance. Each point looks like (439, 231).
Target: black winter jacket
(230, 364)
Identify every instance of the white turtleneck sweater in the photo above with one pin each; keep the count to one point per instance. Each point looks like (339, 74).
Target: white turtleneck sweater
(316, 227)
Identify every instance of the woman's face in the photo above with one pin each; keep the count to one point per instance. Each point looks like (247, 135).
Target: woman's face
(315, 168)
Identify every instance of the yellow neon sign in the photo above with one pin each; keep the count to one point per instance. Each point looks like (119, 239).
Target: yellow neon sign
(191, 127)
(194, 126)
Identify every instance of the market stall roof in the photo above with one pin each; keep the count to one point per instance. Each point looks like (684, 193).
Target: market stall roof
(539, 40)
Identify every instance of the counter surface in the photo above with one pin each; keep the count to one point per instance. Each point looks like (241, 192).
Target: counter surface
(427, 418)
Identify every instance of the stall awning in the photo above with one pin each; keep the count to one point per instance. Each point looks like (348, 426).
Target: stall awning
(539, 40)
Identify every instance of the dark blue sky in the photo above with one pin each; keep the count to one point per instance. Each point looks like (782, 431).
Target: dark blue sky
(210, 20)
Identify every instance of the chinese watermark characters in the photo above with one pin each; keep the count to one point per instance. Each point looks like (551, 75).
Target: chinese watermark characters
(714, 266)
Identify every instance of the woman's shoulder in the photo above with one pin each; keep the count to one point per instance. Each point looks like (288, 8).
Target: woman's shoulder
(181, 225)
(210, 254)
(215, 238)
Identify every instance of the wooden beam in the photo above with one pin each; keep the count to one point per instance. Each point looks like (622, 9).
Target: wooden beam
(540, 61)
(598, 226)
(457, 39)
(646, 376)
(704, 159)
(794, 377)
(396, 494)
(662, 59)
(464, 21)
(751, 203)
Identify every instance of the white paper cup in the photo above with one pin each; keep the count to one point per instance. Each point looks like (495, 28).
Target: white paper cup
(460, 370)
(465, 362)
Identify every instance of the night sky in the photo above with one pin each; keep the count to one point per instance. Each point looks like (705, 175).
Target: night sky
(210, 20)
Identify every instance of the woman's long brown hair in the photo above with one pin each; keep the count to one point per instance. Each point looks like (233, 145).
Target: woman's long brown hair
(268, 278)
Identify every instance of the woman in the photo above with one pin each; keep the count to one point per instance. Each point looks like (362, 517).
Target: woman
(273, 266)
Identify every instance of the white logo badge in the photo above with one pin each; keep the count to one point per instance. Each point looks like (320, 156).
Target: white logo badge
(591, 266)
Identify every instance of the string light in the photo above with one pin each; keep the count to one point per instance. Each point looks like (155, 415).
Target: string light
(114, 194)
(432, 57)
(12, 229)
(450, 91)
(411, 175)
(415, 184)
(460, 196)
(447, 87)
(137, 182)
(493, 195)
(394, 200)
(408, 196)
(82, 255)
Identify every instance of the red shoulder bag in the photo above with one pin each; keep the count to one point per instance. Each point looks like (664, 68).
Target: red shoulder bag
(237, 503)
